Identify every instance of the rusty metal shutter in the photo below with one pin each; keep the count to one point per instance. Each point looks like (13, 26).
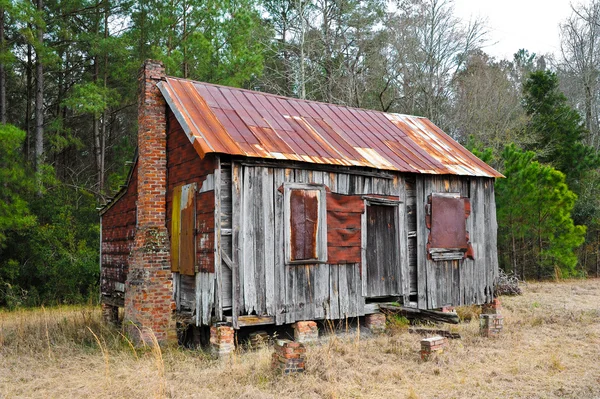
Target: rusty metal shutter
(304, 224)
(183, 222)
(448, 229)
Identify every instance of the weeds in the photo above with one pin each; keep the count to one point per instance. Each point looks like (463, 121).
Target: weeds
(544, 349)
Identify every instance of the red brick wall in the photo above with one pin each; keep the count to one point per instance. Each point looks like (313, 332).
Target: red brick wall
(118, 232)
(149, 301)
(185, 166)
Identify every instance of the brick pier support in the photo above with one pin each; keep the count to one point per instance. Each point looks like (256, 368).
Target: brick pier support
(306, 331)
(222, 340)
(289, 357)
(375, 323)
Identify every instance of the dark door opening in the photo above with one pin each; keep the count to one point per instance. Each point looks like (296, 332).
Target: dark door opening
(382, 252)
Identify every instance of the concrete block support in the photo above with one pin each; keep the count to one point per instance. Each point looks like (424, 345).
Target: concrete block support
(306, 331)
(375, 322)
(289, 357)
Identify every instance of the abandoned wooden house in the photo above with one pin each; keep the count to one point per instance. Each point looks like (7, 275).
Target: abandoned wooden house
(252, 208)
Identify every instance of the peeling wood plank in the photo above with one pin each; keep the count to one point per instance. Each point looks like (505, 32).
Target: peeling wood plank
(218, 263)
(236, 209)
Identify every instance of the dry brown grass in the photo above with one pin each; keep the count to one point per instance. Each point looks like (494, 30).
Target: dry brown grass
(551, 348)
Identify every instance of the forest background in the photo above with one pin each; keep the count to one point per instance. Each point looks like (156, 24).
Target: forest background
(68, 81)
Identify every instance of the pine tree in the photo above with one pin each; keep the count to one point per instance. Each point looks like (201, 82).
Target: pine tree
(534, 216)
(558, 128)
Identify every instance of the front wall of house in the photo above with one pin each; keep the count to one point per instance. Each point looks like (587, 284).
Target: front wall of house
(264, 283)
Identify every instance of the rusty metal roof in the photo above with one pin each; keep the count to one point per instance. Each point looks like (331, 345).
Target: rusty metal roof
(253, 124)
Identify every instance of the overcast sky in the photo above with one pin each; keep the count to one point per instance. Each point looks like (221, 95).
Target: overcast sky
(515, 24)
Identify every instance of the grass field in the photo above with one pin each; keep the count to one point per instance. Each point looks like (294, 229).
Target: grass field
(550, 348)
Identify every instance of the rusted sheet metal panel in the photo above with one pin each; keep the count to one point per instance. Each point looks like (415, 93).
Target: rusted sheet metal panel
(304, 218)
(344, 228)
(205, 223)
(448, 229)
(241, 122)
(453, 157)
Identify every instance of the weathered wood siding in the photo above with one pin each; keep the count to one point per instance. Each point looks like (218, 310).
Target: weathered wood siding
(118, 232)
(194, 295)
(458, 282)
(262, 283)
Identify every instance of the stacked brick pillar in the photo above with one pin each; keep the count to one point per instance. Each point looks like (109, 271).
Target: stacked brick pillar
(289, 357)
(306, 331)
(491, 322)
(222, 337)
(432, 346)
(149, 301)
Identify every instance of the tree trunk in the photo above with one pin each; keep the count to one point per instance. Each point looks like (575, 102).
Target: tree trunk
(2, 71)
(39, 93)
(29, 74)
(302, 70)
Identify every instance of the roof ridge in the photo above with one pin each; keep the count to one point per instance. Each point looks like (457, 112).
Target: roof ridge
(295, 98)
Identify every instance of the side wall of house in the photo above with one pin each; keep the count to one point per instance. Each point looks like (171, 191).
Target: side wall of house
(193, 293)
(262, 283)
(118, 232)
(466, 281)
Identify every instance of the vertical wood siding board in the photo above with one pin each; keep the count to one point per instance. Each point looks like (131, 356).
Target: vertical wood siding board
(475, 241)
(333, 185)
(481, 233)
(226, 241)
(363, 251)
(421, 243)
(343, 291)
(431, 184)
(360, 300)
(199, 299)
(290, 276)
(236, 203)
(217, 250)
(248, 254)
(310, 291)
(494, 233)
(258, 226)
(269, 238)
(210, 282)
(352, 287)
(279, 261)
(400, 190)
(334, 301)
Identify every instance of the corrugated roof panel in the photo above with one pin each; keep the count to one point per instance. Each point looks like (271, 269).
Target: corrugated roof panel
(242, 122)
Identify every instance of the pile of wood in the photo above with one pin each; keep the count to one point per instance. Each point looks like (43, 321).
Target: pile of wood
(420, 314)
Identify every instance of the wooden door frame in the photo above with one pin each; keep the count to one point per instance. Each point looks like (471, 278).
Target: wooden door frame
(368, 201)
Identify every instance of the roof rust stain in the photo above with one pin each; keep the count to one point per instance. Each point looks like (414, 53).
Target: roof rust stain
(247, 123)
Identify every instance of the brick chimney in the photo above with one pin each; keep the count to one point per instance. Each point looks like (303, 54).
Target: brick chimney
(149, 301)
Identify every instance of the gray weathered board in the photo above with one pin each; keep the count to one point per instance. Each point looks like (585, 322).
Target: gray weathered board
(252, 276)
